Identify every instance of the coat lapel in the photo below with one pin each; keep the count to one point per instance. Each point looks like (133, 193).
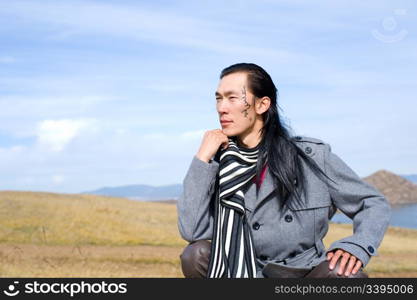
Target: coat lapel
(267, 187)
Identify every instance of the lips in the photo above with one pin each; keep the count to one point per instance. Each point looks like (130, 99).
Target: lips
(225, 121)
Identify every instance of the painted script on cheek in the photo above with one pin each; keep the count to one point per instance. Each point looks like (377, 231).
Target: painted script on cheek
(247, 105)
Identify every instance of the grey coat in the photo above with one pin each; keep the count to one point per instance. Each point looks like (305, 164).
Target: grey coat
(293, 235)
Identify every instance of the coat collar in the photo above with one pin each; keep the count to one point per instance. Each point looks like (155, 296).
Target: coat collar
(267, 187)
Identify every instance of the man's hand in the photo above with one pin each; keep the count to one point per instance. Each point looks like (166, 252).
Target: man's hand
(212, 140)
(352, 263)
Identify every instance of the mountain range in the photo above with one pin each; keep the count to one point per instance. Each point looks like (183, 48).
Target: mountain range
(141, 192)
(397, 189)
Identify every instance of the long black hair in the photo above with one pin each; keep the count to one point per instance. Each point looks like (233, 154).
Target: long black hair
(283, 155)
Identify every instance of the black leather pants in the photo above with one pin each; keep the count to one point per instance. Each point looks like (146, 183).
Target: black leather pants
(195, 260)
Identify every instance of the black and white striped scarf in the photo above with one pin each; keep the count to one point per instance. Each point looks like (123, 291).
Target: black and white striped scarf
(232, 250)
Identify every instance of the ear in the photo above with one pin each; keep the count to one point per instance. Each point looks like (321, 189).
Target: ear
(262, 104)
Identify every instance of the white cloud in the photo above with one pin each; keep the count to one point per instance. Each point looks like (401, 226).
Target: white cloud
(192, 135)
(58, 179)
(15, 106)
(185, 136)
(56, 134)
(83, 18)
(13, 149)
(336, 82)
(155, 136)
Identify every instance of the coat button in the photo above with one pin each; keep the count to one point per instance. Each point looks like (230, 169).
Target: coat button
(308, 150)
(256, 225)
(371, 249)
(288, 218)
(292, 254)
(263, 257)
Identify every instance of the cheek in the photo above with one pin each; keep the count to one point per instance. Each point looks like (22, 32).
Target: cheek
(242, 114)
(241, 108)
(243, 122)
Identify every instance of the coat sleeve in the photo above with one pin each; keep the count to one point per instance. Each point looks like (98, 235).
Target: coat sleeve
(195, 218)
(361, 202)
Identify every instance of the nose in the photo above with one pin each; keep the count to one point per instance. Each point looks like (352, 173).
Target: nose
(222, 107)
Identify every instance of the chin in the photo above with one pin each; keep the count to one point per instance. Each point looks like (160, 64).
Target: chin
(228, 132)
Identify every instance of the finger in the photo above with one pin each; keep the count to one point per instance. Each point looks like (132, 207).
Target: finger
(329, 255)
(358, 265)
(334, 259)
(223, 133)
(343, 262)
(351, 264)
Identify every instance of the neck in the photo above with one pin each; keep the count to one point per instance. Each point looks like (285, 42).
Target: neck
(252, 137)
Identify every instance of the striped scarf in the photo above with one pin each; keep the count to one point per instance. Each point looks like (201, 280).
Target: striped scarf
(232, 251)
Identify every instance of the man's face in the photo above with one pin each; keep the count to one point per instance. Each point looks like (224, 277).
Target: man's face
(235, 103)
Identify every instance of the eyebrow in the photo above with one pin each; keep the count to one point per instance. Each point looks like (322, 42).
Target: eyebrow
(227, 93)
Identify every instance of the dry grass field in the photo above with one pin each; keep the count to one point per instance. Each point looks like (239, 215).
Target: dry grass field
(68, 235)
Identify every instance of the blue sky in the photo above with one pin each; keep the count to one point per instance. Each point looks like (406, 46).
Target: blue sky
(107, 93)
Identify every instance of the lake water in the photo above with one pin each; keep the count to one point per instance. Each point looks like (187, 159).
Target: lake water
(402, 216)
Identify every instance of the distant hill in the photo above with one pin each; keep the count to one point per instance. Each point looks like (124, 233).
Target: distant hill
(396, 189)
(141, 192)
